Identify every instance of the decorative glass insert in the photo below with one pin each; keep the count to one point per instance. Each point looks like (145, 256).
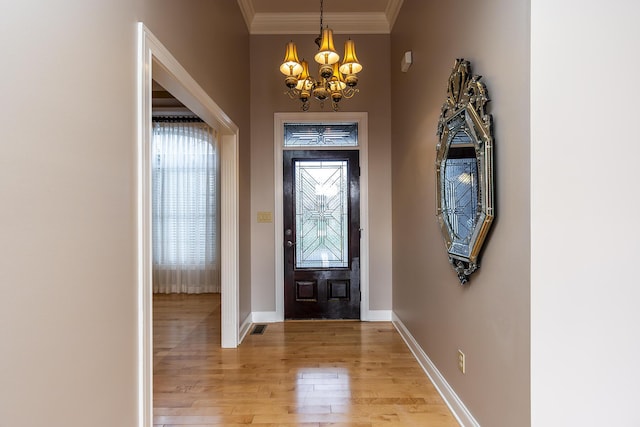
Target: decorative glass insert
(460, 191)
(321, 212)
(320, 135)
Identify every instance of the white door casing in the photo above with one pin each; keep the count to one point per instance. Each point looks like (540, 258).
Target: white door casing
(155, 62)
(312, 117)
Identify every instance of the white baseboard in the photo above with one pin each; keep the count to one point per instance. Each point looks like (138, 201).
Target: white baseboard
(244, 328)
(459, 410)
(266, 317)
(272, 316)
(379, 316)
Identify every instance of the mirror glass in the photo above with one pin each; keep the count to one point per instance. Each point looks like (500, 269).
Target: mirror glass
(460, 179)
(464, 170)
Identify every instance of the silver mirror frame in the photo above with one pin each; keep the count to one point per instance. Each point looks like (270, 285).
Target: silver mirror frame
(464, 111)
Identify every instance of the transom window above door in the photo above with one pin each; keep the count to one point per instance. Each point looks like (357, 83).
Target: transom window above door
(310, 135)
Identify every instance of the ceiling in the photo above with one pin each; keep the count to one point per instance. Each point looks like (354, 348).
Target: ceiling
(303, 16)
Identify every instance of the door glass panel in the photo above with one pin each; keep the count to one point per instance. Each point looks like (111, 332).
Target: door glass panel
(312, 135)
(321, 214)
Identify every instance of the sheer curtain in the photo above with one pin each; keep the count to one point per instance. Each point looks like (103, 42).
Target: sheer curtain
(185, 237)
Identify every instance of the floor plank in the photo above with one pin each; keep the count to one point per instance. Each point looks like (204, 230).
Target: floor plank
(302, 373)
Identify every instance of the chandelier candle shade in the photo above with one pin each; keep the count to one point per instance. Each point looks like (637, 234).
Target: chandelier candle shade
(335, 81)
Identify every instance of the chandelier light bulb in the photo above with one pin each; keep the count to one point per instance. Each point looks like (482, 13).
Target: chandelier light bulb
(336, 83)
(291, 66)
(350, 64)
(304, 80)
(327, 54)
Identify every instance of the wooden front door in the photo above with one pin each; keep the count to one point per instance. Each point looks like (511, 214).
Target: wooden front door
(321, 234)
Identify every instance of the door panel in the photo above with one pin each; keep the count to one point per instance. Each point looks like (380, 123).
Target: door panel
(321, 234)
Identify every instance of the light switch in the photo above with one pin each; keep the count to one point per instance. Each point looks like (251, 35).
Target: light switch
(265, 217)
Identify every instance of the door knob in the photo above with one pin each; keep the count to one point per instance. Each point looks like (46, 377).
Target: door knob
(290, 243)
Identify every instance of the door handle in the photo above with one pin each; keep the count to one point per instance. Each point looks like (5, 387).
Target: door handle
(290, 243)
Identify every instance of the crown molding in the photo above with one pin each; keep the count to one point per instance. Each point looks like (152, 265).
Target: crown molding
(248, 11)
(392, 11)
(307, 23)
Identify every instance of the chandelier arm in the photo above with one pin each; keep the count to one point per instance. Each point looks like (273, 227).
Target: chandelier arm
(292, 93)
(349, 92)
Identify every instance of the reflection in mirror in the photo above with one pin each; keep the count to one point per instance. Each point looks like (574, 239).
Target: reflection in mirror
(460, 175)
(464, 170)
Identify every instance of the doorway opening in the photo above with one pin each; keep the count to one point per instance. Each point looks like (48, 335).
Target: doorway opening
(155, 62)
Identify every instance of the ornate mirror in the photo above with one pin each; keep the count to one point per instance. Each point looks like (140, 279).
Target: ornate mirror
(464, 170)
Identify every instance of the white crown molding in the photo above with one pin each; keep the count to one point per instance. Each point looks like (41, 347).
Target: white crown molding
(392, 11)
(308, 23)
(248, 11)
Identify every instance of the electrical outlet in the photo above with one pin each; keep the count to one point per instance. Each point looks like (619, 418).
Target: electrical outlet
(461, 361)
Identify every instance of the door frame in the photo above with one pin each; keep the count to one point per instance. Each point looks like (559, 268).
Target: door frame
(155, 62)
(361, 118)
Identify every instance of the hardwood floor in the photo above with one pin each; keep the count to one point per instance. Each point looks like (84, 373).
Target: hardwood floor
(306, 374)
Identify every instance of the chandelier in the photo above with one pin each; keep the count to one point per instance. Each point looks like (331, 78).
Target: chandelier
(335, 81)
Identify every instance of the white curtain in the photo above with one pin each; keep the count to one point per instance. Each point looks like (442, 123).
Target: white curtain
(185, 237)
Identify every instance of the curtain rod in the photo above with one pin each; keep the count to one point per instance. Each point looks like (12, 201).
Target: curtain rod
(177, 119)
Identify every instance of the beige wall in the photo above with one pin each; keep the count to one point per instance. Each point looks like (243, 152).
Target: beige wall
(488, 319)
(267, 98)
(68, 310)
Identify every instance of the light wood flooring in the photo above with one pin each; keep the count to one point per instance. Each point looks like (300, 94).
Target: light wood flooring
(304, 374)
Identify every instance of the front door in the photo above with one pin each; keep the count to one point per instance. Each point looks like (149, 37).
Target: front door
(321, 234)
